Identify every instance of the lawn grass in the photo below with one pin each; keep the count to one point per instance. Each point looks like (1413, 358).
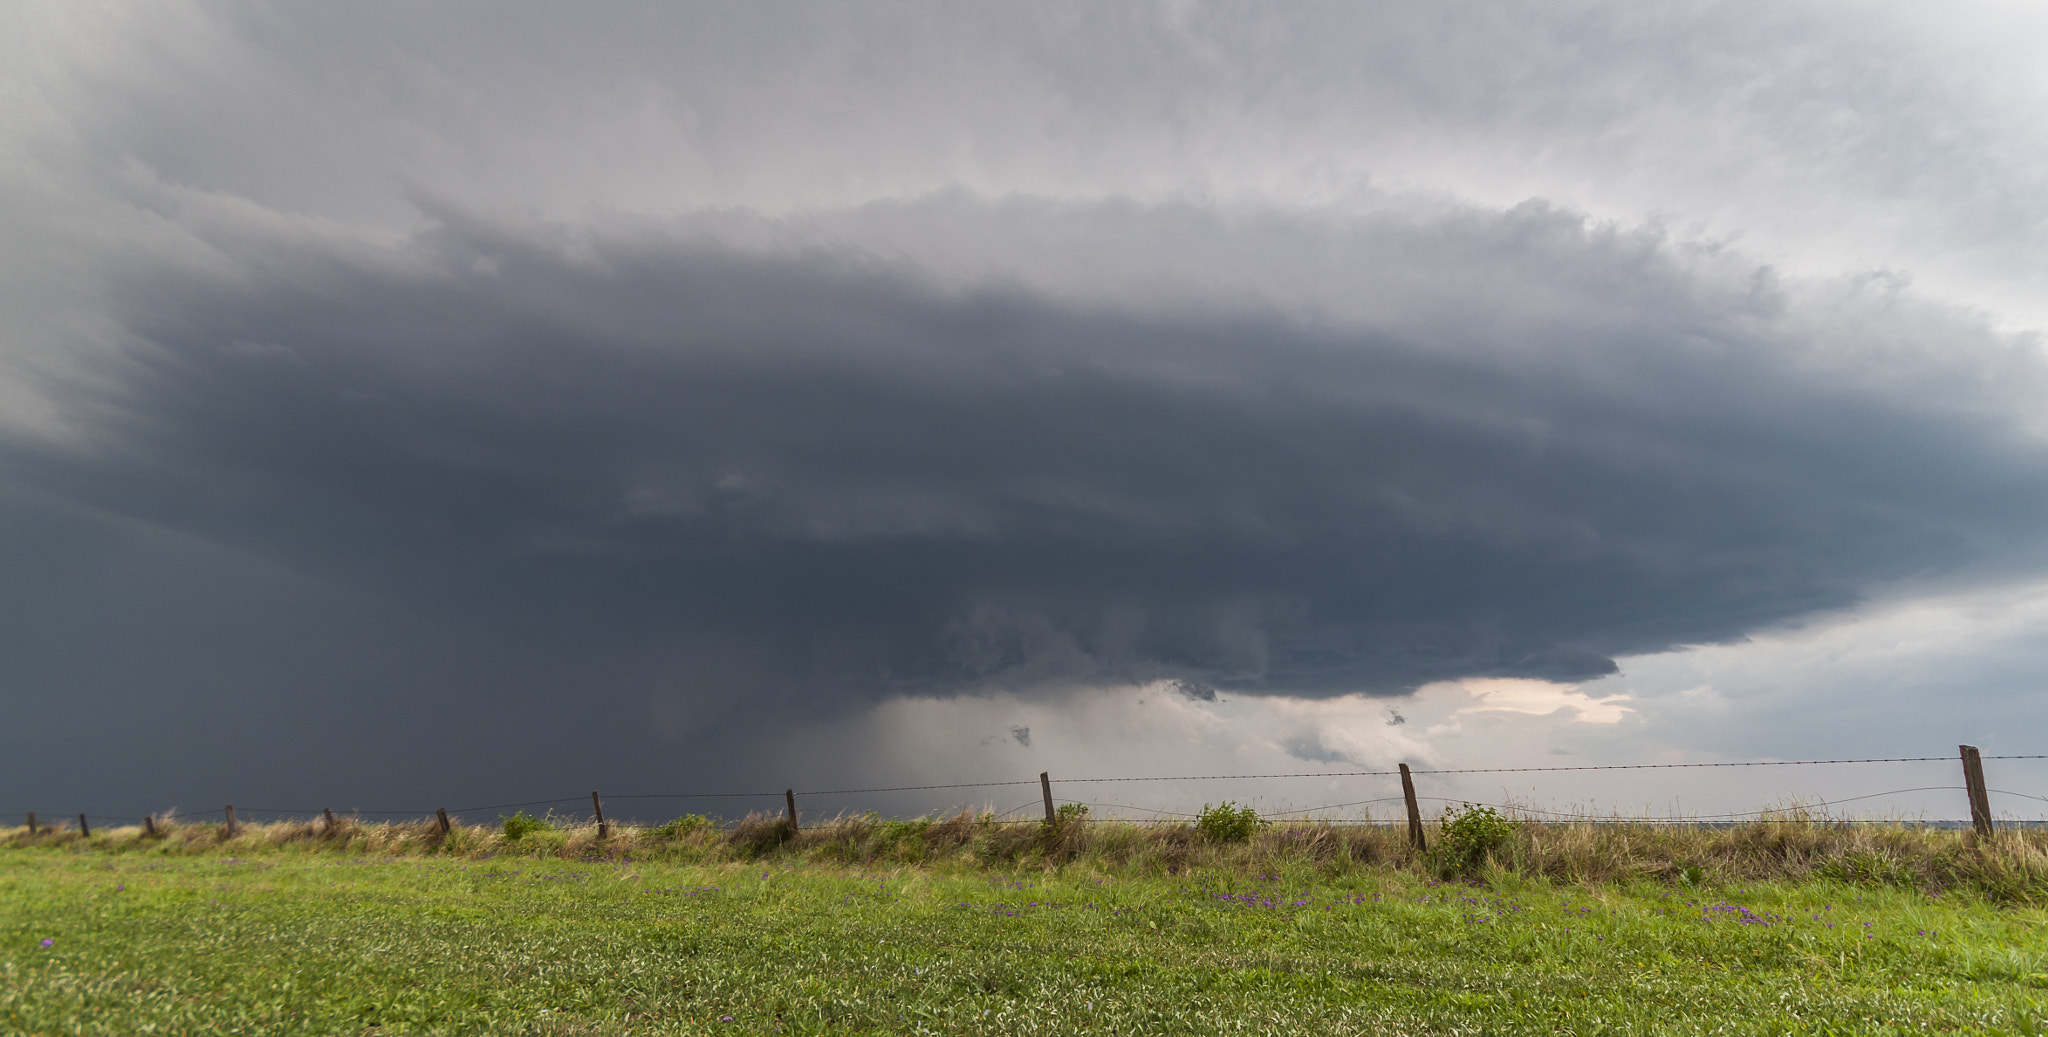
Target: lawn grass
(303, 940)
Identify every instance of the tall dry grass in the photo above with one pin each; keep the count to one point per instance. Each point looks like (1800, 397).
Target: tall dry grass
(2011, 866)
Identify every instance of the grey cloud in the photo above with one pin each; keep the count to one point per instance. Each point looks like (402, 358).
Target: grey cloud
(744, 479)
(1888, 134)
(1021, 734)
(1310, 747)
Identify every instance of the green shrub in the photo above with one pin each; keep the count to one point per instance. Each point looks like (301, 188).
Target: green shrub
(1228, 822)
(1471, 835)
(901, 839)
(681, 826)
(1070, 812)
(524, 824)
(898, 830)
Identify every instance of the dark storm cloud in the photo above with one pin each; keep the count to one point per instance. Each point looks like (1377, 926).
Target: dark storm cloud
(727, 478)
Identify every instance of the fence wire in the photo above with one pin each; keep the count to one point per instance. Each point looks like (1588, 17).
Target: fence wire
(1303, 813)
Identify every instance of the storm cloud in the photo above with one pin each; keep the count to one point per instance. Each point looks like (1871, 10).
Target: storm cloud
(815, 475)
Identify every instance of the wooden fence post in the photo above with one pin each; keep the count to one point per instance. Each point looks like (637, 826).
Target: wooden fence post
(327, 815)
(1973, 783)
(789, 798)
(442, 814)
(597, 807)
(1045, 786)
(149, 825)
(231, 821)
(1415, 837)
(31, 822)
(83, 828)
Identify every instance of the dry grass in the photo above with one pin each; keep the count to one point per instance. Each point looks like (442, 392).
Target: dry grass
(2011, 867)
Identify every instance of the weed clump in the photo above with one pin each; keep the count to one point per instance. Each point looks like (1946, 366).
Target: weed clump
(757, 834)
(1870, 867)
(1228, 823)
(1470, 837)
(522, 824)
(677, 828)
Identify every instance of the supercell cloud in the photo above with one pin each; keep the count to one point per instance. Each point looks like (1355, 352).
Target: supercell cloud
(1533, 446)
(637, 385)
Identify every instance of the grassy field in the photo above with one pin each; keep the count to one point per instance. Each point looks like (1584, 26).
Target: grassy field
(273, 934)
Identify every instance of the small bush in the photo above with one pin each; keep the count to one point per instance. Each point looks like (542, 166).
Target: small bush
(1070, 812)
(681, 826)
(913, 829)
(904, 840)
(1228, 822)
(523, 824)
(1472, 835)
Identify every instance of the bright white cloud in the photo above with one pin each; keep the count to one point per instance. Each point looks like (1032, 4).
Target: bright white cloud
(1541, 698)
(1836, 688)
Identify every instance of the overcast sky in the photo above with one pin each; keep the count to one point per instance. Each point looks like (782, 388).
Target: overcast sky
(427, 404)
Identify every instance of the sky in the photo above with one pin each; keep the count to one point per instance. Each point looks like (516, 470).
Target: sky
(409, 405)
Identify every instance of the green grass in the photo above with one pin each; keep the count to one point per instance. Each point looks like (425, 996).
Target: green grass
(302, 941)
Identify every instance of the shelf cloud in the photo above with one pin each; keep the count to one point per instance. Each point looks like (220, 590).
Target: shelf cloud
(844, 478)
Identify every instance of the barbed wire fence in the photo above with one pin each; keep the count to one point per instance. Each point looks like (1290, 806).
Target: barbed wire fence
(1976, 795)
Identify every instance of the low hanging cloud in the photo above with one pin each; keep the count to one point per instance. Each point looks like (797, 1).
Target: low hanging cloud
(1471, 443)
